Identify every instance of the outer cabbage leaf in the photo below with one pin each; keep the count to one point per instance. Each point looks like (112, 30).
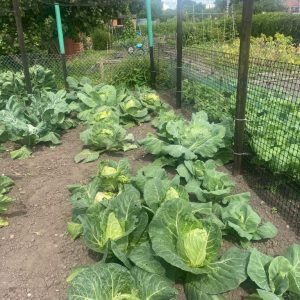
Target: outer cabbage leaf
(153, 286)
(105, 282)
(144, 257)
(6, 184)
(147, 173)
(223, 275)
(156, 191)
(292, 254)
(257, 269)
(193, 293)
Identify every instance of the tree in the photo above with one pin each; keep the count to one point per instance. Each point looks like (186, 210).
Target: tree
(38, 17)
(259, 5)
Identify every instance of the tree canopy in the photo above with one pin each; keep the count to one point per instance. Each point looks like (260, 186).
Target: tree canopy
(259, 5)
(38, 19)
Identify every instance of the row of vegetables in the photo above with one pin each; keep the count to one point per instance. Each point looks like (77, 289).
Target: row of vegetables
(272, 121)
(41, 117)
(151, 229)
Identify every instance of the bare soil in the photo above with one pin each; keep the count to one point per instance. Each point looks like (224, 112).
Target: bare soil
(36, 254)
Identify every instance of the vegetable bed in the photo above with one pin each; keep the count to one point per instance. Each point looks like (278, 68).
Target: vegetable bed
(151, 229)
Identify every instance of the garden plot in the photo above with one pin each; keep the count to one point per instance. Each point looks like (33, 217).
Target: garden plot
(148, 217)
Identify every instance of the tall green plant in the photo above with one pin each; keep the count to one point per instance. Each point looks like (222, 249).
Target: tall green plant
(129, 31)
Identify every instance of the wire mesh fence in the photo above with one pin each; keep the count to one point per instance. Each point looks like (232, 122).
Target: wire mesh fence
(272, 141)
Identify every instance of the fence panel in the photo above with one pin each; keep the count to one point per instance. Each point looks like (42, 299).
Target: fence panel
(272, 141)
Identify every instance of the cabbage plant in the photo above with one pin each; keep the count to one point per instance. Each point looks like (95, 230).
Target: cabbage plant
(35, 119)
(205, 181)
(132, 110)
(112, 223)
(114, 282)
(102, 137)
(187, 140)
(239, 218)
(193, 245)
(276, 278)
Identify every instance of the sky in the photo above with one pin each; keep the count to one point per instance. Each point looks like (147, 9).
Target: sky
(172, 3)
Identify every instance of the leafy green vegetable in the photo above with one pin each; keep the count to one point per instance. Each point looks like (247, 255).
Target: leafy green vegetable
(6, 184)
(34, 119)
(241, 218)
(14, 83)
(132, 110)
(74, 229)
(104, 137)
(187, 140)
(117, 220)
(113, 174)
(86, 156)
(112, 282)
(277, 276)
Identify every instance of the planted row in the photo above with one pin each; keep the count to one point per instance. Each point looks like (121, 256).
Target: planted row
(108, 111)
(145, 226)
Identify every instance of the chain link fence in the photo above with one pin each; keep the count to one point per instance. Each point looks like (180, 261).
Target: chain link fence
(272, 141)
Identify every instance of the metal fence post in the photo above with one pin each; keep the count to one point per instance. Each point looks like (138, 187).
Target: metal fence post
(17, 13)
(150, 41)
(179, 55)
(241, 98)
(61, 44)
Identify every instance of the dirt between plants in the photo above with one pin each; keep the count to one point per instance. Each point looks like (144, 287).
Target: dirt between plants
(36, 254)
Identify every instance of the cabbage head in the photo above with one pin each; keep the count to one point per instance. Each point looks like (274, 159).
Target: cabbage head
(193, 245)
(113, 175)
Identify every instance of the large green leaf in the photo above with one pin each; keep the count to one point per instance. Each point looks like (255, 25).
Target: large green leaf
(153, 286)
(22, 153)
(223, 275)
(144, 257)
(266, 295)
(278, 272)
(193, 293)
(5, 201)
(86, 156)
(74, 229)
(105, 282)
(258, 269)
(293, 255)
(265, 231)
(6, 184)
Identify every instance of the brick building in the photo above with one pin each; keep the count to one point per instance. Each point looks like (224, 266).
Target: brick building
(293, 6)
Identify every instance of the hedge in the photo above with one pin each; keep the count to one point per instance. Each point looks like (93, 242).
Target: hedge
(267, 23)
(271, 23)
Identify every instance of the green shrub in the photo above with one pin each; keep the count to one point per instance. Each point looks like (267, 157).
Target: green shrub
(100, 38)
(134, 70)
(271, 23)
